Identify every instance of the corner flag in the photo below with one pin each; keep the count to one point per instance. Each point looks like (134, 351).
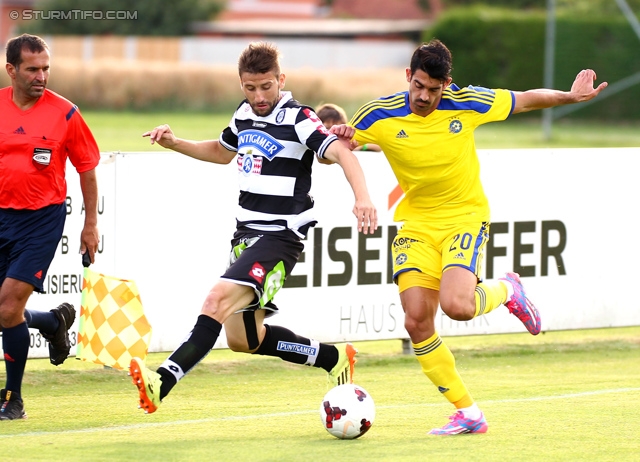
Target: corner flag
(112, 326)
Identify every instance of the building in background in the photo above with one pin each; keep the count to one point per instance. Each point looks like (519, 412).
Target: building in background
(340, 9)
(339, 19)
(316, 34)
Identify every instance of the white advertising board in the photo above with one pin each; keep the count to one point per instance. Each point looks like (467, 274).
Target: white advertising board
(563, 218)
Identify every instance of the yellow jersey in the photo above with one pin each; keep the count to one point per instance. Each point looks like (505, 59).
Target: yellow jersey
(434, 158)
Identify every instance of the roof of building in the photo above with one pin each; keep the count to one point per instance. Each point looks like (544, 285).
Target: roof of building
(313, 28)
(378, 9)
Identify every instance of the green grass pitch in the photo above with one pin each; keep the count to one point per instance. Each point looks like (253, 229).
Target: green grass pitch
(560, 396)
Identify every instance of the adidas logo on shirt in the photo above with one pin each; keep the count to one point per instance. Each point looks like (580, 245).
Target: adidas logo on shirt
(402, 134)
(19, 131)
(459, 256)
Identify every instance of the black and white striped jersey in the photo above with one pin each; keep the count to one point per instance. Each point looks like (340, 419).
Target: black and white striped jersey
(275, 155)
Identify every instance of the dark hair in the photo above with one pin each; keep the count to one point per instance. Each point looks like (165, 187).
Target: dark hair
(259, 58)
(434, 58)
(14, 48)
(332, 113)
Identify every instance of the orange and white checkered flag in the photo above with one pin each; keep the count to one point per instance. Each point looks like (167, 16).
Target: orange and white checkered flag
(112, 327)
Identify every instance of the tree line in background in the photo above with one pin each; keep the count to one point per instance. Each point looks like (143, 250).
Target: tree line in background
(595, 7)
(174, 17)
(153, 17)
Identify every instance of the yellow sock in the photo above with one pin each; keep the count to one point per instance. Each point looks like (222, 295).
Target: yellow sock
(489, 296)
(439, 366)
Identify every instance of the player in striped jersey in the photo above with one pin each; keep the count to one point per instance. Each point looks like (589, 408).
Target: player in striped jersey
(274, 139)
(426, 133)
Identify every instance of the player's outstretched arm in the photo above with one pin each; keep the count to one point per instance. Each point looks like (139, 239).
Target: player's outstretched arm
(364, 210)
(345, 135)
(542, 98)
(208, 150)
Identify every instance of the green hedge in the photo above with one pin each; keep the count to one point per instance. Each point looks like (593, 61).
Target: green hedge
(572, 6)
(499, 48)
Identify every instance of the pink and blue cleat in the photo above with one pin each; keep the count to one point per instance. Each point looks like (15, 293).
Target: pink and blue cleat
(458, 425)
(520, 306)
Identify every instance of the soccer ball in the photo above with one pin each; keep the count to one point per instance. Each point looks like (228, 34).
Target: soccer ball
(347, 411)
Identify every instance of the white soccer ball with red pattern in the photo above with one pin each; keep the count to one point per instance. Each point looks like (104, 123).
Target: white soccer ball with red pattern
(347, 411)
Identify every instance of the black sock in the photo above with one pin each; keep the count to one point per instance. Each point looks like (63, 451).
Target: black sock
(290, 347)
(191, 352)
(45, 321)
(15, 343)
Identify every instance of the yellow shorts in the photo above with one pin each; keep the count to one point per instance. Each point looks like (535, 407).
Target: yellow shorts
(422, 253)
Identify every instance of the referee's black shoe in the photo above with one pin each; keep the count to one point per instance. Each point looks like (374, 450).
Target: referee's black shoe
(59, 343)
(11, 406)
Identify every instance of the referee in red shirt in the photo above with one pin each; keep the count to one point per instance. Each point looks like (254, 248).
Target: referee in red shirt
(39, 130)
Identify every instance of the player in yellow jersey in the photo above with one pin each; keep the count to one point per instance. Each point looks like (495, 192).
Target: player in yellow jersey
(427, 135)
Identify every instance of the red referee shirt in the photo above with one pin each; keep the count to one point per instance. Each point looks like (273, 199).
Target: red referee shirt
(34, 146)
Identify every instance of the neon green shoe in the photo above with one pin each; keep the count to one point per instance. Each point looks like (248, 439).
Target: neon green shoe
(148, 383)
(343, 371)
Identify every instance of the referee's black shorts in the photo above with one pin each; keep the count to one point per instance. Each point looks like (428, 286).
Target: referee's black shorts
(28, 242)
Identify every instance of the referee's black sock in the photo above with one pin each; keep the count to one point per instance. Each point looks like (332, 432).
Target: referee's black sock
(191, 352)
(45, 321)
(288, 346)
(15, 344)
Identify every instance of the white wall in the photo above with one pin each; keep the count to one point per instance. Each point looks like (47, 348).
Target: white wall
(166, 222)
